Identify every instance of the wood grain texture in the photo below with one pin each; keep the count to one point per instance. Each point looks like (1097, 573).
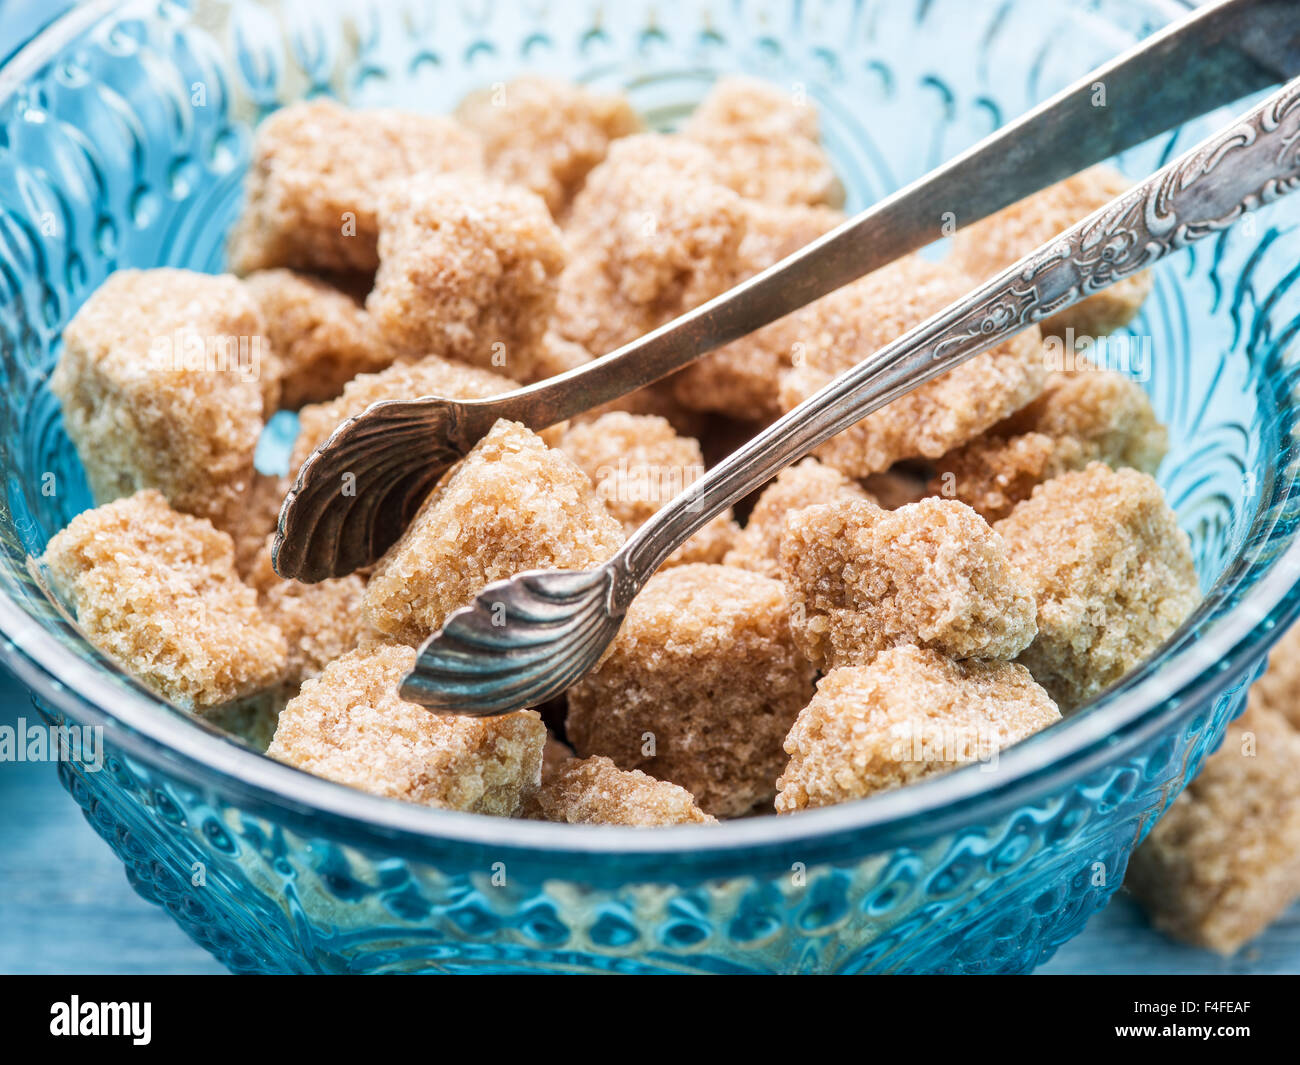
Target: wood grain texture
(65, 904)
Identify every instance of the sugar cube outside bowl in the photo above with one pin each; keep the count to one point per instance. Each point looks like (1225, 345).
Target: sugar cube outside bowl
(124, 133)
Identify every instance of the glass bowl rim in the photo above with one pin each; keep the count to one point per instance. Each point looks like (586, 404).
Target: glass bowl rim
(147, 728)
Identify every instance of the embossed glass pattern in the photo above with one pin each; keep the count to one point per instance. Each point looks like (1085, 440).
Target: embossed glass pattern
(124, 131)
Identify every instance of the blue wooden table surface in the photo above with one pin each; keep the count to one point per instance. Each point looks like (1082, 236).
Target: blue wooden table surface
(65, 905)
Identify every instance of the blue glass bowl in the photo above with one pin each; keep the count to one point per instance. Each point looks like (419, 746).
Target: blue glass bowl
(123, 136)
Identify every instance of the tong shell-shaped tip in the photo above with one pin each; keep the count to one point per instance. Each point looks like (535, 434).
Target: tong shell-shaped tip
(520, 642)
(355, 494)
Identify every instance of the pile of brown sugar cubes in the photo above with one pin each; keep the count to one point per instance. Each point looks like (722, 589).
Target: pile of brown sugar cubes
(941, 580)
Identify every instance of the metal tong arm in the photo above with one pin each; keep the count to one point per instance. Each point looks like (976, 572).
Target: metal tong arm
(1252, 162)
(1216, 55)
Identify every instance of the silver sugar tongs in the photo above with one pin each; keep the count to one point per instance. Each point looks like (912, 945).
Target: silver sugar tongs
(396, 450)
(525, 640)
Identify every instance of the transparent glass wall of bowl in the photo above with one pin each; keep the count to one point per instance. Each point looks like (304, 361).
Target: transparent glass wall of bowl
(127, 149)
(995, 896)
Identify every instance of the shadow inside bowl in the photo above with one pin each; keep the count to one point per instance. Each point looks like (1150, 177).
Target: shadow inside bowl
(124, 134)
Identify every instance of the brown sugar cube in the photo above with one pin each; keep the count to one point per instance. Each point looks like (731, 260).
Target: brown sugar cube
(758, 547)
(653, 233)
(910, 713)
(257, 520)
(323, 336)
(992, 473)
(989, 246)
(594, 791)
(656, 232)
(710, 544)
(553, 355)
(430, 376)
(638, 463)
(851, 324)
(1224, 861)
(1082, 416)
(546, 135)
(512, 504)
(468, 269)
(772, 232)
(861, 579)
(1278, 690)
(1111, 571)
(1108, 414)
(555, 756)
(315, 177)
(350, 726)
(156, 590)
(767, 142)
(742, 379)
(320, 622)
(164, 381)
(699, 687)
